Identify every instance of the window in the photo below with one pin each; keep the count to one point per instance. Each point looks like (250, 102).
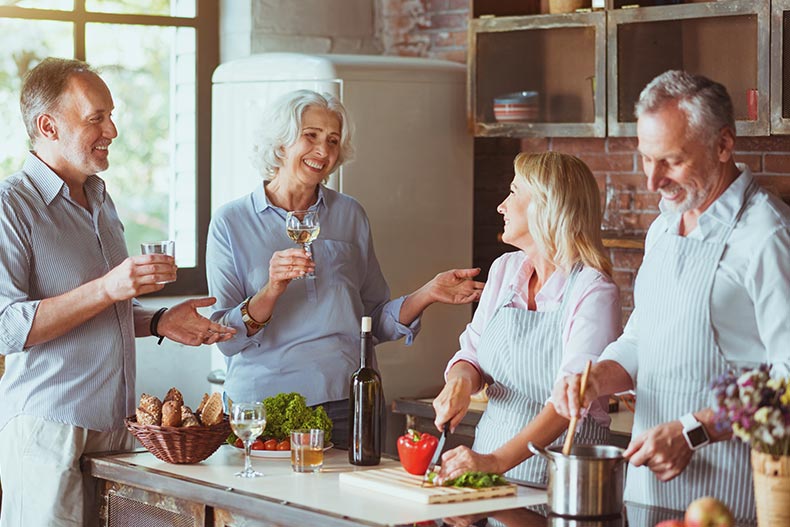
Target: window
(157, 57)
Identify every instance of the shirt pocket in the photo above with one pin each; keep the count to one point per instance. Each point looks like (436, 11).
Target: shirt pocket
(338, 264)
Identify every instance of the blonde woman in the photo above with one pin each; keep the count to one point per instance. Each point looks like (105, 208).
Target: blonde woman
(545, 311)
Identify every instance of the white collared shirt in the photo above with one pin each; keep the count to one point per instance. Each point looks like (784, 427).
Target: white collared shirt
(750, 297)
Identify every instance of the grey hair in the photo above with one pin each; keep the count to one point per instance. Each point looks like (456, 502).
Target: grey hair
(705, 102)
(43, 87)
(282, 124)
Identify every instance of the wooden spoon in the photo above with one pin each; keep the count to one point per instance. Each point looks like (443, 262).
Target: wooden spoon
(566, 448)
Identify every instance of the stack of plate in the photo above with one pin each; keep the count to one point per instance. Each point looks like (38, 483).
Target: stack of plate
(516, 107)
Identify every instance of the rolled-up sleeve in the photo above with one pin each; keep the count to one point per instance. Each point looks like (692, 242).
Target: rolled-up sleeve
(624, 350)
(490, 299)
(768, 283)
(17, 310)
(224, 284)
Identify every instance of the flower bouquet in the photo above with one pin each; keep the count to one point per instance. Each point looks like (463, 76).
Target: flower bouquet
(757, 408)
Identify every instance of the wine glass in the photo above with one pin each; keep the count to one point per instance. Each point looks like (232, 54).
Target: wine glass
(248, 421)
(303, 227)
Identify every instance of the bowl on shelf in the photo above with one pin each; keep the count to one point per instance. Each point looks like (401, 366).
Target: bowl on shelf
(519, 106)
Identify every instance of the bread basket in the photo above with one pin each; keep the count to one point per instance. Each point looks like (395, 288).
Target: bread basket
(180, 445)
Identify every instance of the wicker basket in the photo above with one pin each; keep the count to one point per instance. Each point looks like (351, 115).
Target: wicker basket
(174, 444)
(771, 488)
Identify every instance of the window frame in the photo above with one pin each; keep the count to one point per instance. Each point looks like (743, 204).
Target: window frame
(192, 280)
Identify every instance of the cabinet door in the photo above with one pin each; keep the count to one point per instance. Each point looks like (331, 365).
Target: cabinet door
(780, 67)
(727, 41)
(556, 63)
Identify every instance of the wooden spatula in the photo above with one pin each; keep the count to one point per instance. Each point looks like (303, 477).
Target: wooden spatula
(566, 448)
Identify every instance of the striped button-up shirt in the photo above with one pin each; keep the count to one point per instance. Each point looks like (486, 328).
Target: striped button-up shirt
(52, 245)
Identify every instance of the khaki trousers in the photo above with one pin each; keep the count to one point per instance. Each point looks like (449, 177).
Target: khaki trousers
(40, 470)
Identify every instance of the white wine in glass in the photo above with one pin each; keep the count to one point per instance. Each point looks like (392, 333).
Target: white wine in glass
(302, 226)
(248, 421)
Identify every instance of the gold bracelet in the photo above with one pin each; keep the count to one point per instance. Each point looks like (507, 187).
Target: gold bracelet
(250, 322)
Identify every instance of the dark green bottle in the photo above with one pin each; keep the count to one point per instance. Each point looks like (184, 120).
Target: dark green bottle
(366, 402)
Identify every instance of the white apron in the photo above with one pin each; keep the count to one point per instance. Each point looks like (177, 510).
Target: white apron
(520, 353)
(678, 360)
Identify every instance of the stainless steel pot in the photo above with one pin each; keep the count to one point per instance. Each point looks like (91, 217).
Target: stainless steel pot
(586, 483)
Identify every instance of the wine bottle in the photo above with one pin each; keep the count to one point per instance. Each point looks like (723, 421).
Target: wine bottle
(366, 405)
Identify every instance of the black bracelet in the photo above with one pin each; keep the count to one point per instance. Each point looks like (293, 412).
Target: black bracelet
(155, 325)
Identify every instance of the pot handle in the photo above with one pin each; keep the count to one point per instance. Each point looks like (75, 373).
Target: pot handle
(538, 450)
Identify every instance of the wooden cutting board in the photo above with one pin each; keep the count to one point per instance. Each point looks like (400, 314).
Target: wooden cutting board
(397, 482)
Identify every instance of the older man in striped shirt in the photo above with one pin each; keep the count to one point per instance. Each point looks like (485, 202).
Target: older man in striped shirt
(68, 318)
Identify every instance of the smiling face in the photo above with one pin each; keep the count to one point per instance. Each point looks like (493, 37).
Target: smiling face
(681, 167)
(314, 155)
(81, 129)
(514, 212)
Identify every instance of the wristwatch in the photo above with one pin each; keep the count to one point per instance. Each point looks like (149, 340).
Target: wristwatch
(695, 434)
(250, 322)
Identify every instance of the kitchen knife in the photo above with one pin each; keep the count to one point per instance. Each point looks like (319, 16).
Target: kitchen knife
(436, 454)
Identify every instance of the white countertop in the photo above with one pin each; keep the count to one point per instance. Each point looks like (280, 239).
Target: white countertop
(323, 491)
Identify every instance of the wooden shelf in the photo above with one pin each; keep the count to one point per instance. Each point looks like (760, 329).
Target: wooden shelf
(615, 240)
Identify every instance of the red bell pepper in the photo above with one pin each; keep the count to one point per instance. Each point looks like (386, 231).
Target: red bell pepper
(415, 451)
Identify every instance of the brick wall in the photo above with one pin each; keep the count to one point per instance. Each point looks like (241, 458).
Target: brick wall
(437, 29)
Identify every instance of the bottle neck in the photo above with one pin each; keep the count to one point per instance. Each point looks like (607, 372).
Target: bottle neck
(366, 349)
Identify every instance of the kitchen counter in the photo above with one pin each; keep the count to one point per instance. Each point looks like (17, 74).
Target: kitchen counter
(141, 490)
(208, 493)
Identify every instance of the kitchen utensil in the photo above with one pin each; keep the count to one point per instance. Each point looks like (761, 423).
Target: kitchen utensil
(575, 420)
(436, 454)
(398, 483)
(586, 483)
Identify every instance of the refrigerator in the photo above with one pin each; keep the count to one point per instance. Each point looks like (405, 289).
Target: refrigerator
(412, 173)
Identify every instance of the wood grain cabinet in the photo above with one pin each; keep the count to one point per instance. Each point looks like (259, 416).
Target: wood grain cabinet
(588, 68)
(559, 57)
(727, 41)
(780, 66)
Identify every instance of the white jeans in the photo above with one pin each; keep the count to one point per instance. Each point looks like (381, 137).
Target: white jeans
(40, 471)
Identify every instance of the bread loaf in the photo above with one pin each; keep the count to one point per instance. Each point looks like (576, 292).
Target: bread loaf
(202, 403)
(144, 418)
(171, 414)
(188, 418)
(212, 411)
(153, 406)
(174, 395)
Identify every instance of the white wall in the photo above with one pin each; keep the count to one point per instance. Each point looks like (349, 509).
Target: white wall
(301, 26)
(161, 367)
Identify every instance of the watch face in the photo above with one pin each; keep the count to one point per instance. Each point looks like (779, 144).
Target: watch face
(697, 435)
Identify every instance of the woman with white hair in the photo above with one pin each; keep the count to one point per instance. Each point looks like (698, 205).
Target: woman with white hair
(303, 336)
(546, 310)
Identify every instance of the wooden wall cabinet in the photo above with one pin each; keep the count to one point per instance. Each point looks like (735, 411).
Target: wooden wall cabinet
(780, 66)
(727, 41)
(561, 57)
(590, 67)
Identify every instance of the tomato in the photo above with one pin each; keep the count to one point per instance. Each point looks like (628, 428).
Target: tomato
(238, 443)
(270, 444)
(258, 445)
(284, 445)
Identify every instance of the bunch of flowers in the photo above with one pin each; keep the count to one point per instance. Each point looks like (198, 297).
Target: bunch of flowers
(757, 408)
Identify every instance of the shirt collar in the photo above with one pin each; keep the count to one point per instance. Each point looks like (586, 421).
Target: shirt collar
(552, 290)
(49, 185)
(722, 212)
(260, 201)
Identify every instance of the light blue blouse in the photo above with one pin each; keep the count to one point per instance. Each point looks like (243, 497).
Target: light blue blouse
(311, 344)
